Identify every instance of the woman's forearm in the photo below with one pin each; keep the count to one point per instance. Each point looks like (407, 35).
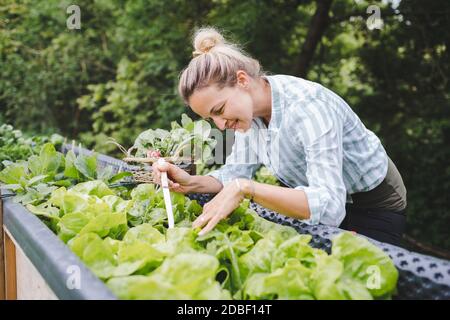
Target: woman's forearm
(205, 184)
(290, 202)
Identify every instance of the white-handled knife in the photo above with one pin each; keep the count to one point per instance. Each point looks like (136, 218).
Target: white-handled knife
(166, 193)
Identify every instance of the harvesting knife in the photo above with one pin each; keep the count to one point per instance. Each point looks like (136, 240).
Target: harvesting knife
(166, 193)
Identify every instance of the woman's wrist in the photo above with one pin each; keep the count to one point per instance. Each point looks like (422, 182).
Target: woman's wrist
(193, 184)
(204, 184)
(246, 188)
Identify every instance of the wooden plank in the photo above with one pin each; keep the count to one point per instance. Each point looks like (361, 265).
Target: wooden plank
(2, 254)
(10, 268)
(30, 283)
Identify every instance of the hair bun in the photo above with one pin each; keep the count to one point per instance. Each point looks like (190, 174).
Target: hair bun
(205, 39)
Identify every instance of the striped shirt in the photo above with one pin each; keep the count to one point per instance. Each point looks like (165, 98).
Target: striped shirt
(314, 142)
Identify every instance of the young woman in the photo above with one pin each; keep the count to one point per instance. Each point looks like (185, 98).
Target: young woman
(334, 171)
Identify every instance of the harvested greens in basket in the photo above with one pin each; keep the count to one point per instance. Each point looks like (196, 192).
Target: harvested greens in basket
(188, 140)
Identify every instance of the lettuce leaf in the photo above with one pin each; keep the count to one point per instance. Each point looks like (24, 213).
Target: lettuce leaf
(367, 263)
(289, 282)
(184, 276)
(93, 188)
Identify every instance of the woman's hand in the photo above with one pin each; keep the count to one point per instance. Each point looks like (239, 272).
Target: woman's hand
(219, 207)
(179, 180)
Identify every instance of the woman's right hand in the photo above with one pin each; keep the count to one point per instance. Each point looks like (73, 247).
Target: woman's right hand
(179, 180)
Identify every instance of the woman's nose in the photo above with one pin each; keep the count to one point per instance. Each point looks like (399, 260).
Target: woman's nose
(220, 123)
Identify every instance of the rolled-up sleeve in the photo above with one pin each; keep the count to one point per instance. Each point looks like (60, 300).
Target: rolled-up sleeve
(242, 161)
(321, 138)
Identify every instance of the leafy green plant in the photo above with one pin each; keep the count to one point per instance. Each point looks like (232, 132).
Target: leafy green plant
(89, 207)
(126, 242)
(34, 179)
(190, 139)
(278, 264)
(264, 175)
(14, 145)
(245, 257)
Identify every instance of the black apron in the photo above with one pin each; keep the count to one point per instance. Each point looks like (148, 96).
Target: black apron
(380, 212)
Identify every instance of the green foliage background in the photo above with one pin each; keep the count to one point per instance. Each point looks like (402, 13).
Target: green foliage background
(117, 75)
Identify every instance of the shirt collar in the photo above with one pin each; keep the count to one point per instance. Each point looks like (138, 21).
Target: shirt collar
(277, 96)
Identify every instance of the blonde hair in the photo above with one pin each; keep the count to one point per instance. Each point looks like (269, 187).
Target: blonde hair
(215, 61)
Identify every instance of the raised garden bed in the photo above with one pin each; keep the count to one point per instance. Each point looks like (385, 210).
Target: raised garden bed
(39, 265)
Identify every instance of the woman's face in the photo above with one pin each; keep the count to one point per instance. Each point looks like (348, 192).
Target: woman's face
(229, 108)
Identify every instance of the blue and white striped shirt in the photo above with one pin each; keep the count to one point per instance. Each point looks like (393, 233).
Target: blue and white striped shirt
(315, 143)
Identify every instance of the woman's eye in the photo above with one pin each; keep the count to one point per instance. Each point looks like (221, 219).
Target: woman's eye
(220, 111)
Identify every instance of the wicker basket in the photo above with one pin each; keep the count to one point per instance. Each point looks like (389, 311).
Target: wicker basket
(145, 172)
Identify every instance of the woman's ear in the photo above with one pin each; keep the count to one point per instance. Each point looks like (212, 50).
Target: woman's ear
(243, 79)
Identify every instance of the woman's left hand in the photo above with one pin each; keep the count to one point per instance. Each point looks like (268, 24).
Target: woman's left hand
(219, 207)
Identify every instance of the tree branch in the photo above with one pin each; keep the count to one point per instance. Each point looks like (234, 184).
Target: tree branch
(317, 27)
